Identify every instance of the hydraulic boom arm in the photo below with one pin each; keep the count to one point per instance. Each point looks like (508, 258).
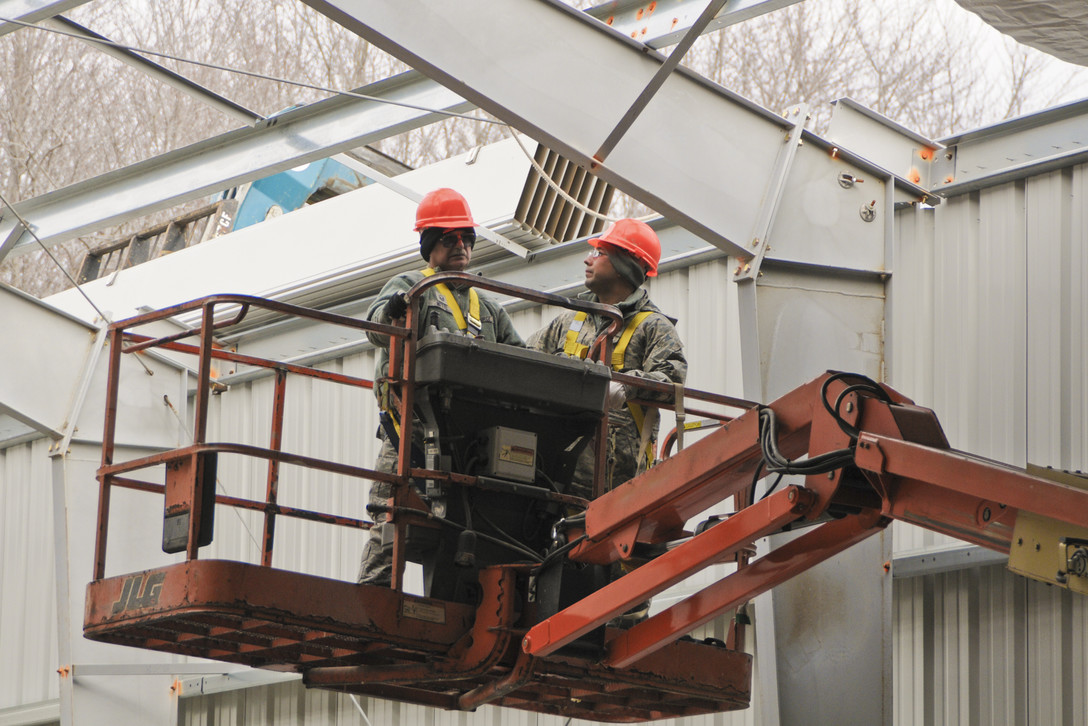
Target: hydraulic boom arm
(868, 456)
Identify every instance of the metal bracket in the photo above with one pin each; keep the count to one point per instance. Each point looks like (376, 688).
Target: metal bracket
(749, 269)
(81, 393)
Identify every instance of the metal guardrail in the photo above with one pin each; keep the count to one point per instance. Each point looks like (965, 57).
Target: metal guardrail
(188, 466)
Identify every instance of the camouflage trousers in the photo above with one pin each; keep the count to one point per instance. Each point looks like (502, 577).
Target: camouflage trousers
(622, 461)
(376, 567)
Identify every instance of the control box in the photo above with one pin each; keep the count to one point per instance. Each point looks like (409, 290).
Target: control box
(511, 454)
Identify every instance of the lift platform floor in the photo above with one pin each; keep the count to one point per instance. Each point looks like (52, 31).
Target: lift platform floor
(288, 621)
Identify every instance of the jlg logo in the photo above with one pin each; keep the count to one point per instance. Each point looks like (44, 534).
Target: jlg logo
(137, 593)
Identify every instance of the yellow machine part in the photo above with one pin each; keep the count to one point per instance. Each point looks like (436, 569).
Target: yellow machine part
(1049, 550)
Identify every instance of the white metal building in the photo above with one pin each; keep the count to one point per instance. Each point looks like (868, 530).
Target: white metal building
(964, 286)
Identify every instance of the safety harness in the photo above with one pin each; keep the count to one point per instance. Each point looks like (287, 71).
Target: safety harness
(574, 349)
(470, 326)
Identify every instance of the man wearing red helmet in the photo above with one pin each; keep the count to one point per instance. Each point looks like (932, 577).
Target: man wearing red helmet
(648, 346)
(446, 238)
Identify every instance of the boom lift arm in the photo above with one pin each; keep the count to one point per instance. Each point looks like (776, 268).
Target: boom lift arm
(872, 457)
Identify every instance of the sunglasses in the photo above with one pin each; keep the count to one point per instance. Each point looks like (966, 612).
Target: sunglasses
(450, 239)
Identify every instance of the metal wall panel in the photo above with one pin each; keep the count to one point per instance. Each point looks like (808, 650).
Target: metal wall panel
(987, 325)
(988, 322)
(322, 419)
(1057, 264)
(28, 607)
(984, 646)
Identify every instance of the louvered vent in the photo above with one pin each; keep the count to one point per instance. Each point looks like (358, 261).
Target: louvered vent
(546, 213)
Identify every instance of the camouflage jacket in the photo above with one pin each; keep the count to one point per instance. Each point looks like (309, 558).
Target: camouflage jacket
(495, 324)
(654, 352)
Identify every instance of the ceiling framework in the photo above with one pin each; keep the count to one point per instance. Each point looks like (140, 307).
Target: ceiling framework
(325, 128)
(259, 150)
(707, 159)
(727, 170)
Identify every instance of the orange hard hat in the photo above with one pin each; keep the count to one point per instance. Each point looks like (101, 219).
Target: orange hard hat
(635, 238)
(443, 208)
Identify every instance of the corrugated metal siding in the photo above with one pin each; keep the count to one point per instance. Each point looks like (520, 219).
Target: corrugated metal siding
(28, 599)
(988, 322)
(1057, 263)
(338, 424)
(988, 325)
(984, 646)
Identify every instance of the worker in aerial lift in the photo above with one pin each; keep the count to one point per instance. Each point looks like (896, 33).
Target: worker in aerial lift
(446, 237)
(648, 346)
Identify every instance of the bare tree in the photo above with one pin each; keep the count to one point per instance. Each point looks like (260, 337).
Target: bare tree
(69, 112)
(921, 65)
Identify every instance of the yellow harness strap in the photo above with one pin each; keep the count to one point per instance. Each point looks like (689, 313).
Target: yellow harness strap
(625, 338)
(473, 324)
(638, 413)
(572, 348)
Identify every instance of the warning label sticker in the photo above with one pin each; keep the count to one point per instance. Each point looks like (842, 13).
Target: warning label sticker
(424, 611)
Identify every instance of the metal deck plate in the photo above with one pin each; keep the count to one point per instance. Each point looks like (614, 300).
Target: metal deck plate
(269, 618)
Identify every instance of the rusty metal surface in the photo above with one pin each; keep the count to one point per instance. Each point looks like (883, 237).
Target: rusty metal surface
(759, 520)
(355, 638)
(772, 569)
(976, 477)
(657, 504)
(688, 678)
(264, 617)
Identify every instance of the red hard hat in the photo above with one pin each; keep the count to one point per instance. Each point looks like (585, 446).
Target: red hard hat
(443, 208)
(634, 237)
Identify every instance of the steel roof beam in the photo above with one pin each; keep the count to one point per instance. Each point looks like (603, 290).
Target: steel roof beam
(31, 11)
(697, 153)
(1013, 149)
(659, 78)
(277, 144)
(660, 27)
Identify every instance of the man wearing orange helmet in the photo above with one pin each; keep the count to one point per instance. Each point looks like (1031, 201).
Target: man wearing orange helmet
(648, 346)
(446, 237)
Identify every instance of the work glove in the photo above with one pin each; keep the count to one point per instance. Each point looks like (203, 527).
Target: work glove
(617, 395)
(397, 306)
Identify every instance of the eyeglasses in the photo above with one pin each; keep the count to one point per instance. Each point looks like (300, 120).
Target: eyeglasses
(450, 239)
(596, 252)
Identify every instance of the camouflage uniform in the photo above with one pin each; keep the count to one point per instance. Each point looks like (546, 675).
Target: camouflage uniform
(495, 326)
(654, 352)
